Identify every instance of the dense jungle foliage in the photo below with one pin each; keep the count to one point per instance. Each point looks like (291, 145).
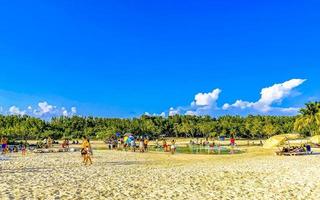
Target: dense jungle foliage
(25, 127)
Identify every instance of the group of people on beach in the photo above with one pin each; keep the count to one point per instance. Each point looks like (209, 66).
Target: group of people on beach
(140, 144)
(211, 147)
(143, 145)
(167, 147)
(128, 143)
(5, 148)
(86, 150)
(306, 148)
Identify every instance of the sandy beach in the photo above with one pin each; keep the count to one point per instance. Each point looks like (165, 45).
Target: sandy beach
(127, 175)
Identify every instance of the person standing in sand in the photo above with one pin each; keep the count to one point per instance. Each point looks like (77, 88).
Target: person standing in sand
(173, 147)
(146, 141)
(232, 144)
(141, 146)
(211, 148)
(85, 151)
(23, 150)
(4, 145)
(49, 143)
(133, 144)
(164, 145)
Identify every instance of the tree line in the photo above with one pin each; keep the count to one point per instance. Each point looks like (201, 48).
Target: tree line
(25, 127)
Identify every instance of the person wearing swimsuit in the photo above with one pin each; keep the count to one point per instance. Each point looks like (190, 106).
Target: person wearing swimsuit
(86, 151)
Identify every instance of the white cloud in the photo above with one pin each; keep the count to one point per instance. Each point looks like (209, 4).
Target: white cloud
(44, 108)
(290, 110)
(147, 114)
(206, 99)
(226, 106)
(206, 103)
(203, 104)
(14, 110)
(276, 93)
(46, 111)
(163, 114)
(269, 96)
(191, 113)
(173, 112)
(66, 113)
(238, 104)
(73, 110)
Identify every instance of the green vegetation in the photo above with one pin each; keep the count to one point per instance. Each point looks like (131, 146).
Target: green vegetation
(26, 127)
(308, 122)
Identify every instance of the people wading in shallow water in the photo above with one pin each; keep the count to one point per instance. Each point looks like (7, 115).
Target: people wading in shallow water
(86, 151)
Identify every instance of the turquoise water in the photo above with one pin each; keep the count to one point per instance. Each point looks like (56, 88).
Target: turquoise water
(201, 150)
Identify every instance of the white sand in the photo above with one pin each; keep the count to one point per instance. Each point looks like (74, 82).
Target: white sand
(121, 175)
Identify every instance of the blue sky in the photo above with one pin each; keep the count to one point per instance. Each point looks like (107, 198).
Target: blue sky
(123, 58)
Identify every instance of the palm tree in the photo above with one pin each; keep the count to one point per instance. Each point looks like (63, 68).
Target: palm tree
(309, 118)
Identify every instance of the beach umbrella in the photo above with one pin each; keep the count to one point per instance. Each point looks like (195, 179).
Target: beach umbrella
(315, 139)
(278, 140)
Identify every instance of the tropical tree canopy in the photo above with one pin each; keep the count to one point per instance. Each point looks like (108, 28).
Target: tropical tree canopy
(308, 121)
(26, 127)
